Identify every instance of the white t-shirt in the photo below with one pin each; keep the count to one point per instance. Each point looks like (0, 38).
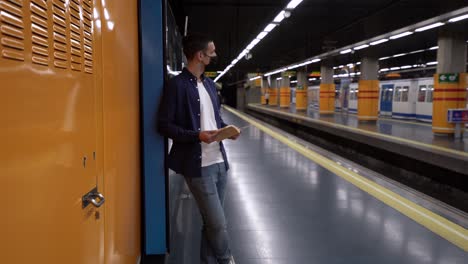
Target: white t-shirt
(211, 153)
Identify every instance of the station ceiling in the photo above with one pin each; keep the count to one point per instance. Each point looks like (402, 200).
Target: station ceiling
(313, 27)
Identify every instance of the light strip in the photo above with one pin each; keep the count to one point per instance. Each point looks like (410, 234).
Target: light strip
(455, 19)
(269, 28)
(255, 78)
(361, 47)
(399, 55)
(346, 51)
(378, 42)
(293, 4)
(279, 17)
(404, 34)
(438, 24)
(262, 35)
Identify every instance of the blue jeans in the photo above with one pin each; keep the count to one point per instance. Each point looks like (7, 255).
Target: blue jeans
(208, 191)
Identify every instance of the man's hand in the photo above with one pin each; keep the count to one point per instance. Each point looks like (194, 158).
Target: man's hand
(208, 136)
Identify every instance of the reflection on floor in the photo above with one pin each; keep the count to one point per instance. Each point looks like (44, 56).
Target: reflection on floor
(284, 209)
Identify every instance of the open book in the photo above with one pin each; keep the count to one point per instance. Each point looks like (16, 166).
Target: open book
(227, 132)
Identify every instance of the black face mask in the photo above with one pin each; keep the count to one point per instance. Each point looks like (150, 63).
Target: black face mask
(213, 59)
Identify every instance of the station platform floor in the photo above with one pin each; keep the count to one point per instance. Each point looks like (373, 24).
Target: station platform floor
(288, 202)
(405, 129)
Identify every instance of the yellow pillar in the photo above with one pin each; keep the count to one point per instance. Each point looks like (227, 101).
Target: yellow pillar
(301, 99)
(447, 95)
(368, 100)
(327, 98)
(273, 97)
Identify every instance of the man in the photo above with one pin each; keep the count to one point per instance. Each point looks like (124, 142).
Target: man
(190, 116)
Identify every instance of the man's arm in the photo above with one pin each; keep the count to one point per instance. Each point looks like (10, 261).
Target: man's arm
(167, 117)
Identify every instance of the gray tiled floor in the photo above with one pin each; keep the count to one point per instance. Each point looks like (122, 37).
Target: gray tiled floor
(284, 209)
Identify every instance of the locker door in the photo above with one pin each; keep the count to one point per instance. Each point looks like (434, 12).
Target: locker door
(48, 138)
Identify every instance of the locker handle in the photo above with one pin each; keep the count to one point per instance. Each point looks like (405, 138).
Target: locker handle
(93, 197)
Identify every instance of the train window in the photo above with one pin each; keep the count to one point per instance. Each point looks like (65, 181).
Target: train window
(389, 96)
(430, 92)
(422, 93)
(397, 97)
(404, 94)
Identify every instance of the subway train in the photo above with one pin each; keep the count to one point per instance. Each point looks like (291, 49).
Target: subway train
(409, 99)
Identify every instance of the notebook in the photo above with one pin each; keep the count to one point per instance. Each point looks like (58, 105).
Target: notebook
(227, 132)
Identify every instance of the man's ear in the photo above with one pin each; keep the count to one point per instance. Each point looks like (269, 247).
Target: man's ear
(200, 55)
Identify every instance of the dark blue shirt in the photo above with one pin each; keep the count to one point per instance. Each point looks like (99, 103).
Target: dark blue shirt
(179, 119)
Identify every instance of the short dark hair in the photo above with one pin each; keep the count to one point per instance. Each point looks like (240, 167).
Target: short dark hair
(194, 43)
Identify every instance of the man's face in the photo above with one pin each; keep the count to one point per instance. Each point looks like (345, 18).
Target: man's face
(209, 54)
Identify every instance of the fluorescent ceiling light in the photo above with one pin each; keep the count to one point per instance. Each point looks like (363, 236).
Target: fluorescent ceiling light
(377, 42)
(394, 68)
(434, 48)
(293, 67)
(269, 28)
(455, 19)
(315, 60)
(404, 34)
(262, 35)
(335, 68)
(346, 51)
(234, 61)
(361, 47)
(219, 71)
(358, 63)
(384, 58)
(385, 69)
(399, 55)
(279, 17)
(438, 24)
(279, 78)
(416, 51)
(293, 81)
(252, 44)
(293, 4)
(255, 78)
(432, 63)
(406, 67)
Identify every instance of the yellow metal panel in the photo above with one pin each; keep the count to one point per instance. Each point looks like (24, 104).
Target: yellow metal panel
(301, 100)
(273, 97)
(48, 143)
(121, 131)
(285, 96)
(368, 100)
(447, 96)
(327, 98)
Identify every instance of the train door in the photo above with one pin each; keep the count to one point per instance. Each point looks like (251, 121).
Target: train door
(353, 98)
(386, 99)
(403, 107)
(424, 100)
(48, 165)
